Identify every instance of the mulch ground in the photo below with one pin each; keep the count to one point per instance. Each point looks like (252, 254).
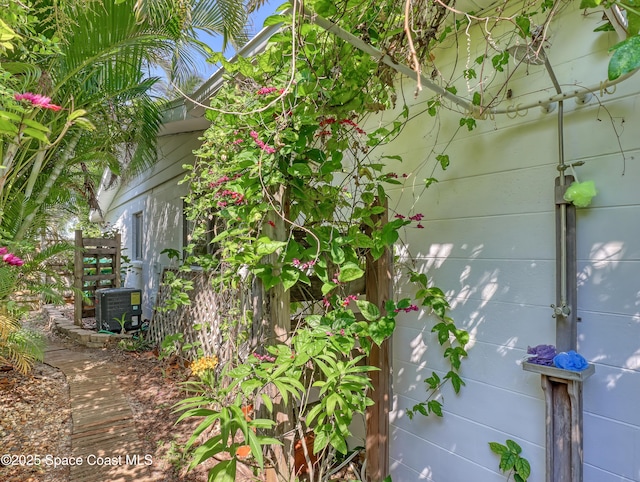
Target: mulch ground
(35, 418)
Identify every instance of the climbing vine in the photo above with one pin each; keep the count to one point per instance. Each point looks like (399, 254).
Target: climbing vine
(289, 189)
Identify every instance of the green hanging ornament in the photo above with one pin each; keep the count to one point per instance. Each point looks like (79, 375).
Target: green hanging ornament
(580, 193)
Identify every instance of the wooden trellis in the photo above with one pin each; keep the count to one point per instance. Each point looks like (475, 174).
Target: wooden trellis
(96, 266)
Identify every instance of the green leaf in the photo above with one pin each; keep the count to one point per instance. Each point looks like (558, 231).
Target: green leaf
(275, 20)
(266, 246)
(626, 57)
(320, 442)
(477, 98)
(498, 448)
(430, 180)
(36, 134)
(327, 287)
(456, 381)
(525, 26)
(300, 170)
(508, 461)
(523, 468)
(514, 447)
(435, 406)
(223, 471)
(443, 159)
(589, 4)
(605, 27)
(350, 272)
(290, 277)
(382, 329)
(267, 402)
(337, 253)
(326, 8)
(338, 442)
(8, 127)
(313, 413)
(368, 310)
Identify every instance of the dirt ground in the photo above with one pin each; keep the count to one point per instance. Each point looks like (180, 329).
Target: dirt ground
(35, 418)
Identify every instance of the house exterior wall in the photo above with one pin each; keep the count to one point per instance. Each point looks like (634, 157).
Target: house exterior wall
(158, 196)
(489, 242)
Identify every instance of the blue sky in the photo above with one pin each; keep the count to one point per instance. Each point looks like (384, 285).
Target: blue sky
(256, 21)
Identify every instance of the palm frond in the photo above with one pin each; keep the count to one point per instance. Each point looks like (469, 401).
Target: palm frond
(19, 347)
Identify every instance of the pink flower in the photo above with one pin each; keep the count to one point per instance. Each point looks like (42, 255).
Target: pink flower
(399, 216)
(3, 250)
(349, 299)
(38, 100)
(416, 217)
(271, 223)
(327, 122)
(12, 259)
(419, 226)
(268, 90)
(261, 144)
(325, 302)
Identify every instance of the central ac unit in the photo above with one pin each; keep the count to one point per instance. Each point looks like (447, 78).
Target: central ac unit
(114, 303)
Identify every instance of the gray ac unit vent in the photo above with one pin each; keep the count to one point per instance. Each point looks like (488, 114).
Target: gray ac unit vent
(113, 303)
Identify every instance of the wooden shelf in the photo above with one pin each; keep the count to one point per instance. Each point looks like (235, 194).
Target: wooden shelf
(559, 372)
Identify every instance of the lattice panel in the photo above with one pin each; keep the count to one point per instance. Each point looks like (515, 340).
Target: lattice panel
(220, 314)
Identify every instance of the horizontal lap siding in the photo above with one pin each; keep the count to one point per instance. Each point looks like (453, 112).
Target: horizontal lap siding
(488, 240)
(157, 194)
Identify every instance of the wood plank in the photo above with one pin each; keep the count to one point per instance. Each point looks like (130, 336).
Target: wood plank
(100, 242)
(100, 277)
(77, 278)
(378, 282)
(99, 251)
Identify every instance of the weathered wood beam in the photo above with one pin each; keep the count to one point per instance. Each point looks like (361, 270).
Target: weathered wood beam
(378, 281)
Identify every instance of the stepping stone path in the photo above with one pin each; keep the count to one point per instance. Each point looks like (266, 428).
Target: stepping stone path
(104, 438)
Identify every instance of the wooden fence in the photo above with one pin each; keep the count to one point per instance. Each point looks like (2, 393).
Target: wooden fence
(96, 266)
(214, 322)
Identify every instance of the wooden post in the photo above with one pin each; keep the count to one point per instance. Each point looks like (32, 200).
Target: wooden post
(378, 283)
(116, 262)
(563, 402)
(78, 271)
(279, 331)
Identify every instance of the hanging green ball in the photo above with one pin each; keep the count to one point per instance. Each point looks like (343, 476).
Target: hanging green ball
(580, 193)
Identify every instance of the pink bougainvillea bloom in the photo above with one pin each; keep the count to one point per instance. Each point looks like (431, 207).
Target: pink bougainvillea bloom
(38, 100)
(3, 250)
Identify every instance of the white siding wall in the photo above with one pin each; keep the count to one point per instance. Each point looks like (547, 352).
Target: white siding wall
(489, 242)
(159, 197)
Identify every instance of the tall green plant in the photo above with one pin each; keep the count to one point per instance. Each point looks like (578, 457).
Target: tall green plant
(290, 172)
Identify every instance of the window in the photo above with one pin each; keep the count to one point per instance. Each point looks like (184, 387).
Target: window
(136, 236)
(205, 227)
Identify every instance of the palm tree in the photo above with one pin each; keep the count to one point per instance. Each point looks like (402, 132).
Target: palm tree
(109, 116)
